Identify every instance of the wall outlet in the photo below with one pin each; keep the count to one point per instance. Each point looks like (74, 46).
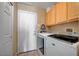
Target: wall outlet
(69, 30)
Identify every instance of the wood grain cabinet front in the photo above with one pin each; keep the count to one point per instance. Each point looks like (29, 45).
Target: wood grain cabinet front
(61, 12)
(73, 10)
(50, 18)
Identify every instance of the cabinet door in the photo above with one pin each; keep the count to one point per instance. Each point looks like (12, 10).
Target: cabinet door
(50, 20)
(73, 10)
(61, 12)
(53, 16)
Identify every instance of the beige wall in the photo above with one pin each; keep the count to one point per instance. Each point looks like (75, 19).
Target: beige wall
(61, 28)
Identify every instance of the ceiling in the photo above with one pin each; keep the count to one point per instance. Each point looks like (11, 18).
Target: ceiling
(44, 5)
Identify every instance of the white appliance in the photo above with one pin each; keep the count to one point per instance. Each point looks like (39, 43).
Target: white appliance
(5, 29)
(27, 22)
(58, 47)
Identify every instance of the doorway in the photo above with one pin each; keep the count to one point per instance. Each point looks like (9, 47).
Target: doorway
(27, 23)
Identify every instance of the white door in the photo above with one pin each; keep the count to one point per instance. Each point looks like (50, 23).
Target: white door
(6, 31)
(27, 22)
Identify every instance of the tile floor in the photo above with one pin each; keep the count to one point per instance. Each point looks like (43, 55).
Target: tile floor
(30, 53)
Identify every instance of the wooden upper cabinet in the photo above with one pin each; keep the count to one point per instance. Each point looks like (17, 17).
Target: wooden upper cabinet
(73, 10)
(61, 12)
(53, 16)
(50, 18)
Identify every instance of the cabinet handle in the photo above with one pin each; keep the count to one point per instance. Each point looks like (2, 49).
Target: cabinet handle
(53, 44)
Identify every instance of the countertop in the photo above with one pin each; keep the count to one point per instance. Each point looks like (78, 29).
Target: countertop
(46, 34)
